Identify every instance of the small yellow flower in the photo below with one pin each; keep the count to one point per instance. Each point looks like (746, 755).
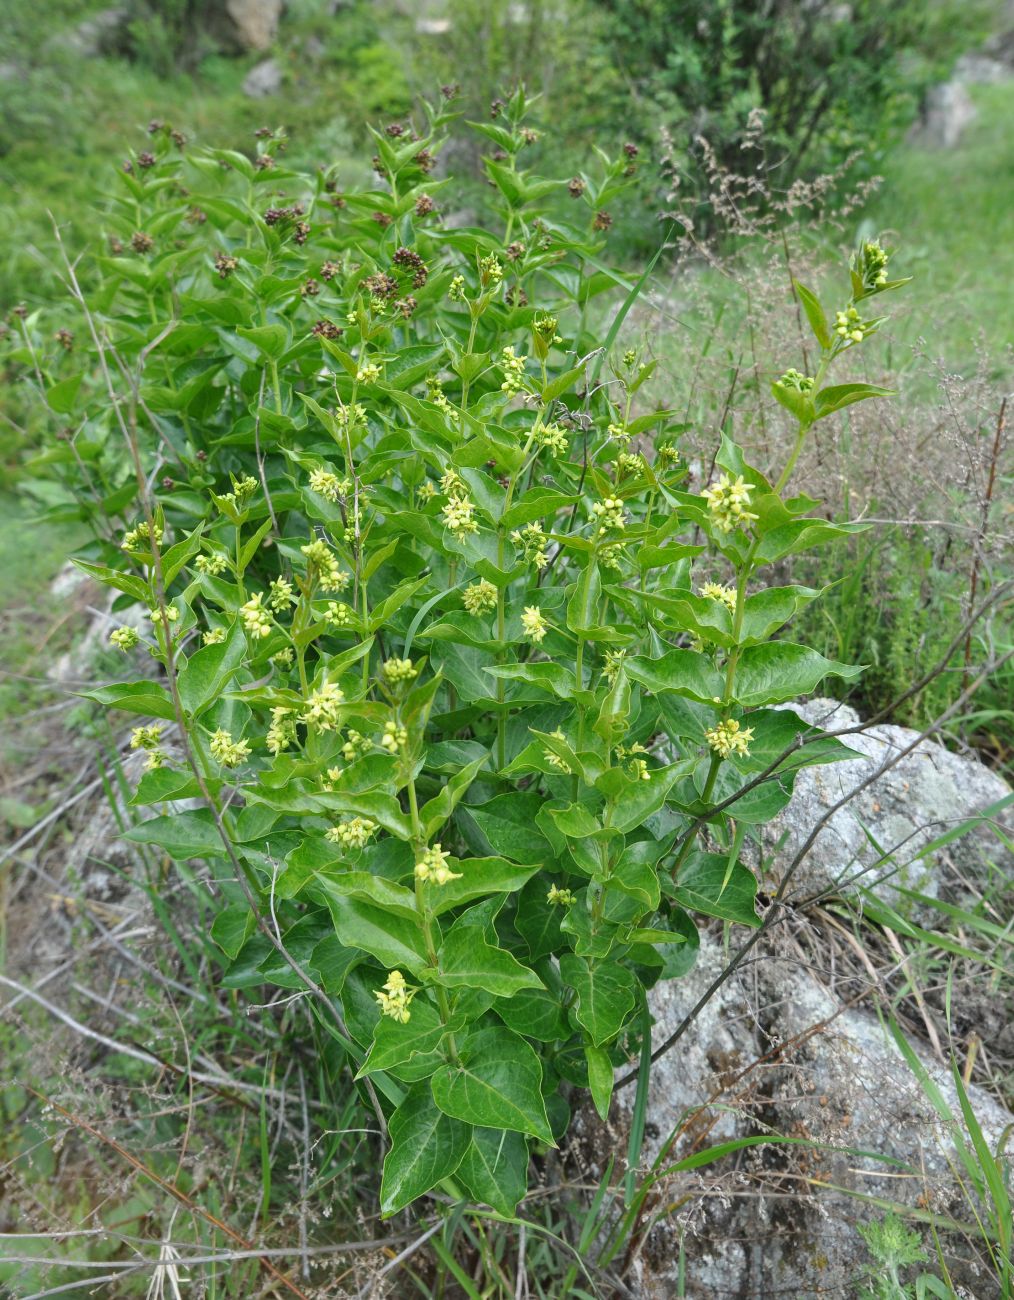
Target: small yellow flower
(729, 738)
(432, 867)
(146, 737)
(282, 732)
(214, 636)
(395, 738)
(724, 595)
(228, 752)
(533, 624)
(395, 996)
(256, 618)
(323, 709)
(480, 597)
(399, 671)
(124, 638)
(458, 514)
(213, 565)
(559, 897)
(728, 501)
(355, 833)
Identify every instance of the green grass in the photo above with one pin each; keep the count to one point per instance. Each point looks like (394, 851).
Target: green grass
(953, 223)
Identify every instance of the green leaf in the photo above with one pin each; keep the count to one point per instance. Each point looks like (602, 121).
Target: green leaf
(478, 878)
(145, 698)
(535, 1013)
(555, 679)
(467, 960)
(395, 1043)
(780, 671)
(437, 810)
(208, 672)
(494, 1168)
(395, 941)
(232, 927)
(508, 823)
(706, 883)
(127, 582)
(61, 397)
(183, 835)
(600, 1078)
(839, 396)
(682, 671)
(496, 1083)
(271, 340)
(394, 899)
(606, 994)
(814, 314)
(427, 1146)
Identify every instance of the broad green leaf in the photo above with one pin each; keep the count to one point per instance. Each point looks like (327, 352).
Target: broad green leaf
(682, 671)
(393, 898)
(478, 878)
(606, 994)
(207, 673)
(232, 927)
(271, 340)
(706, 883)
(127, 582)
(467, 960)
(395, 1043)
(395, 941)
(145, 698)
(436, 811)
(780, 671)
(62, 396)
(496, 1083)
(427, 1146)
(535, 1013)
(494, 1168)
(839, 396)
(183, 835)
(508, 823)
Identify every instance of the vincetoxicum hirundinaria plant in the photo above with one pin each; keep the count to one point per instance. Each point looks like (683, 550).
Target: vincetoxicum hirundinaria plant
(477, 689)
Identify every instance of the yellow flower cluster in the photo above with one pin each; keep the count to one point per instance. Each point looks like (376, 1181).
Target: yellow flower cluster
(256, 618)
(432, 867)
(213, 565)
(329, 485)
(399, 671)
(322, 563)
(214, 636)
(124, 638)
(323, 709)
(729, 738)
(724, 595)
(456, 291)
(608, 514)
(282, 732)
(728, 501)
(355, 745)
(146, 737)
(480, 597)
(554, 437)
(458, 514)
(394, 998)
(848, 326)
(225, 750)
(139, 537)
(533, 624)
(338, 614)
(395, 738)
(280, 595)
(368, 373)
(513, 368)
(355, 833)
(533, 540)
(559, 897)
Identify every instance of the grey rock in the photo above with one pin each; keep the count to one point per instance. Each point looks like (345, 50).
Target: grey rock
(779, 1052)
(947, 112)
(928, 792)
(96, 34)
(263, 79)
(255, 21)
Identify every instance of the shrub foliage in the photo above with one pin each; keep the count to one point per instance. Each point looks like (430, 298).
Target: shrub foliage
(476, 692)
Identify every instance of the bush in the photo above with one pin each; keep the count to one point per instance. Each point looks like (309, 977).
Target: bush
(476, 693)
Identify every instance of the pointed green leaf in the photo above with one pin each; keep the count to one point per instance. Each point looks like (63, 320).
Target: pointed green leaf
(494, 1168)
(427, 1146)
(496, 1083)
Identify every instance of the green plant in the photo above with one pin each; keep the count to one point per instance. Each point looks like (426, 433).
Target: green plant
(436, 607)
